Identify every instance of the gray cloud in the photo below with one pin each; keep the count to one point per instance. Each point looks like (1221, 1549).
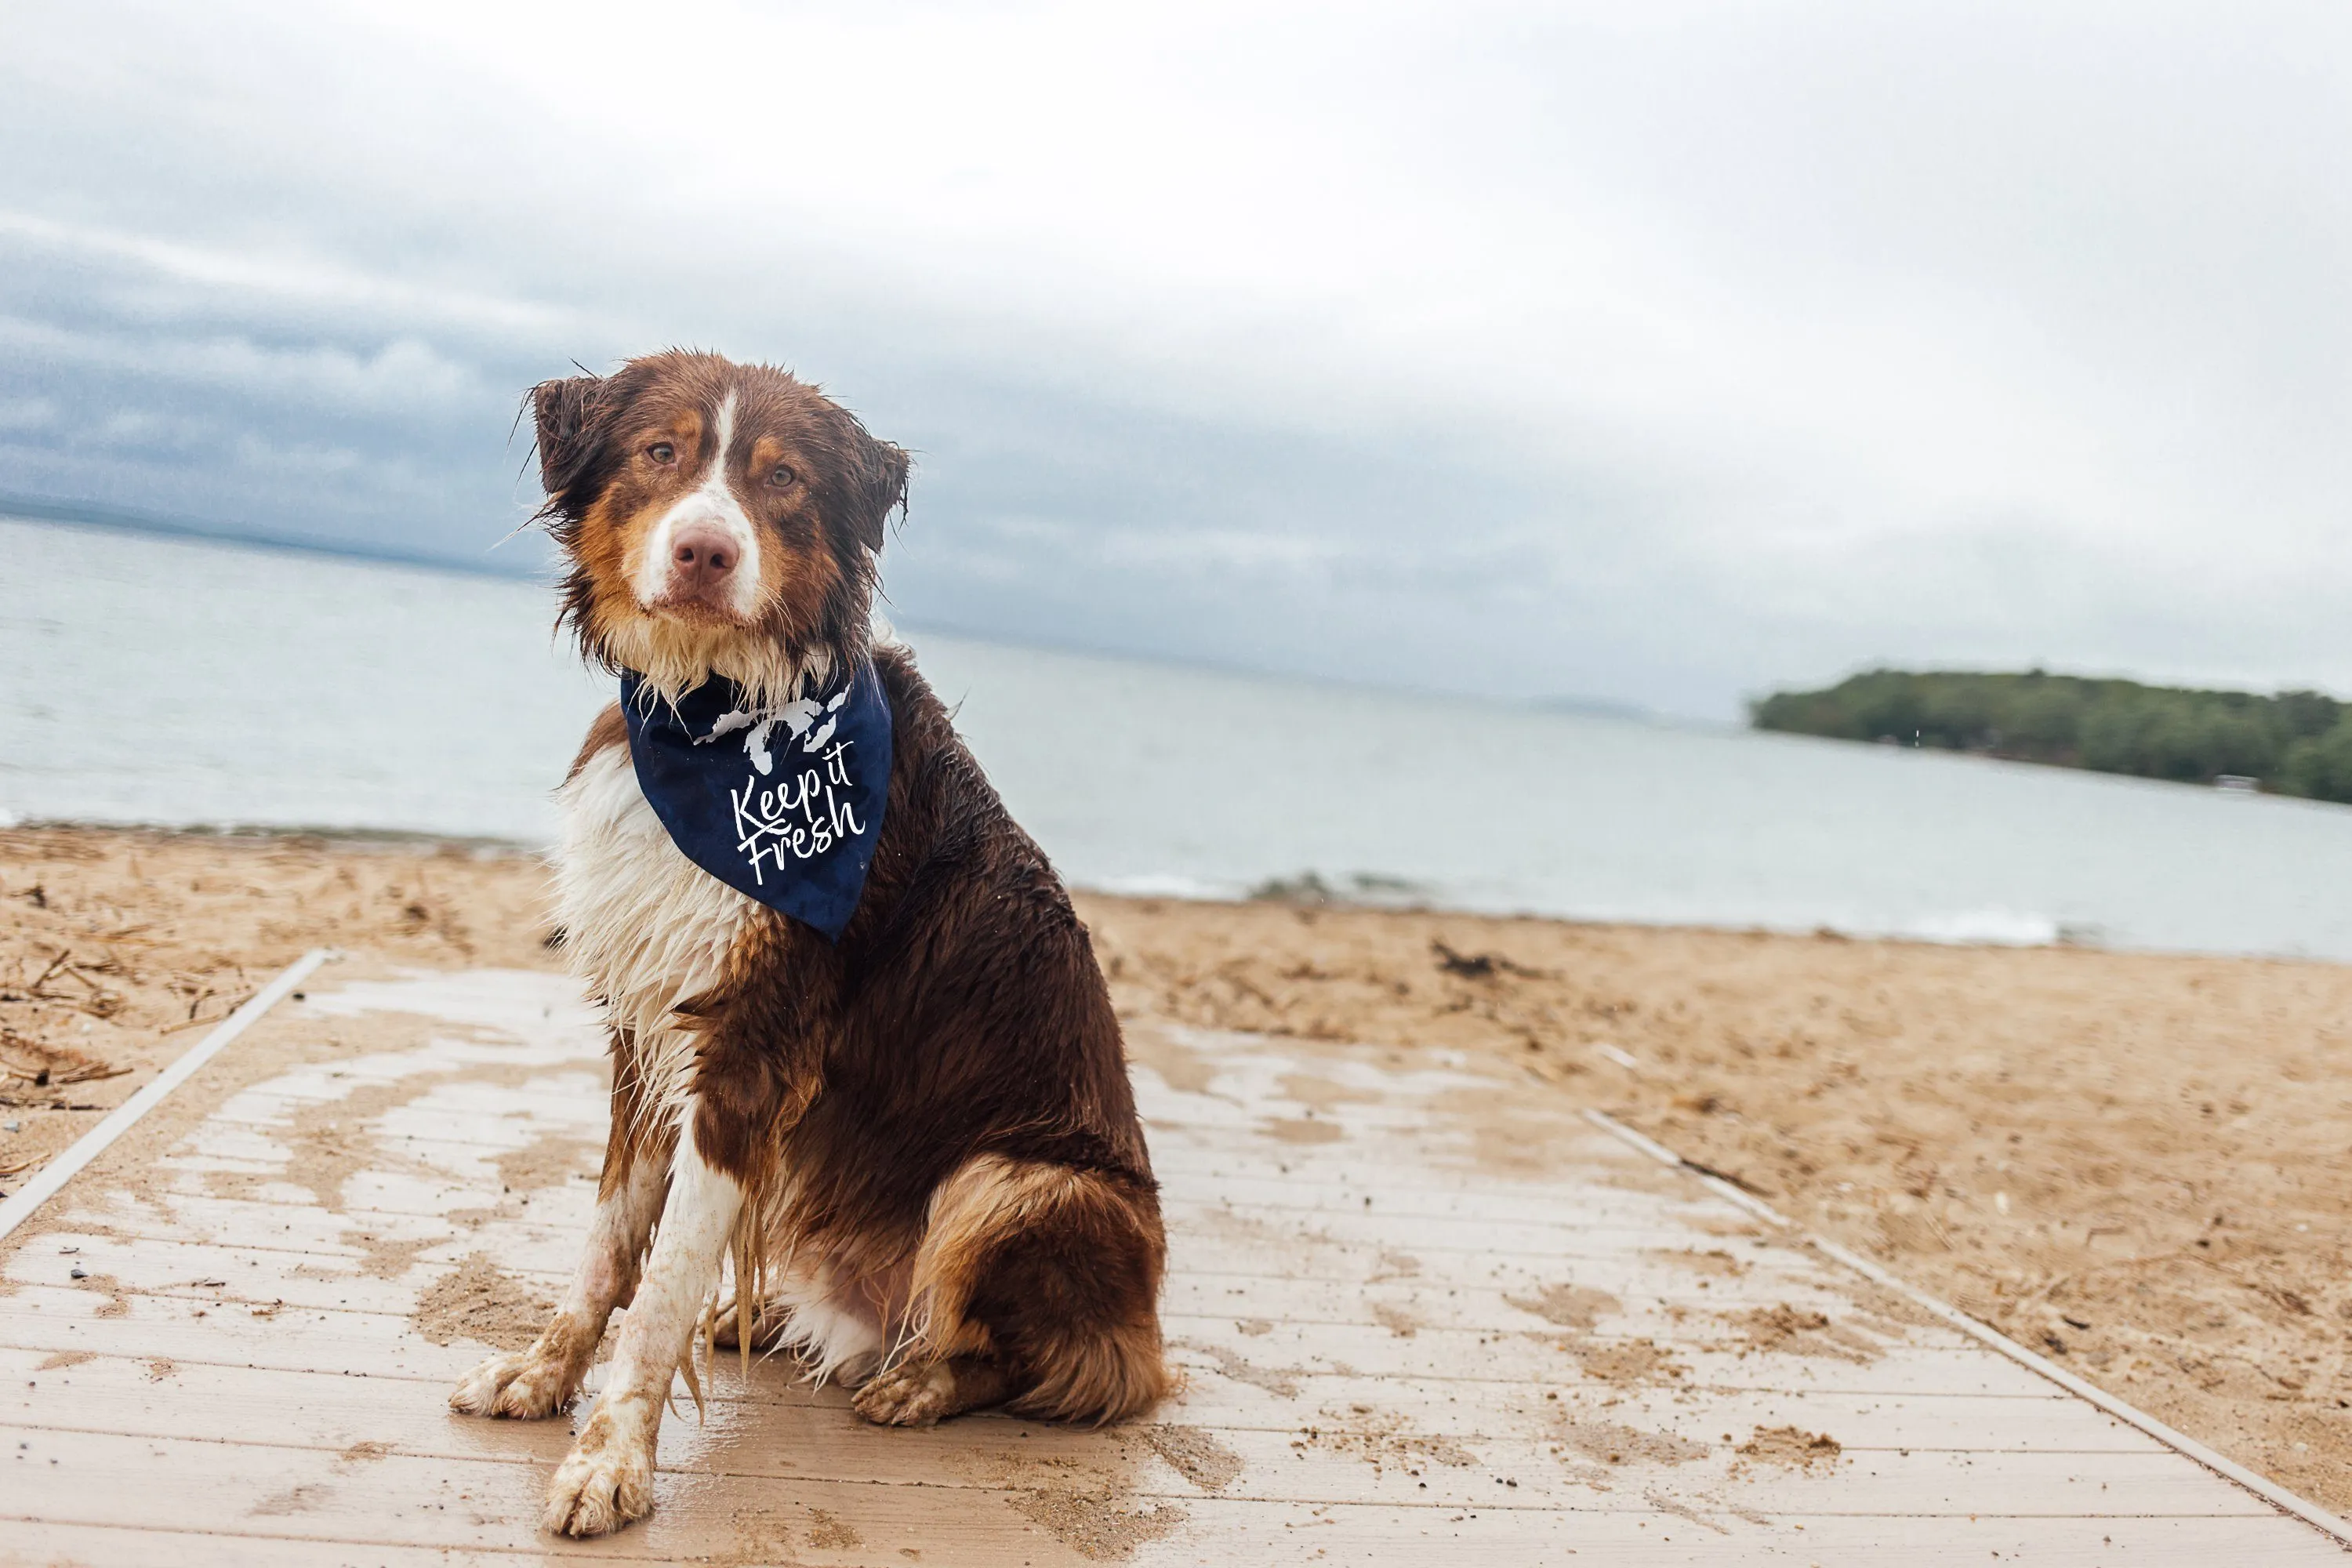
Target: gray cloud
(1662, 354)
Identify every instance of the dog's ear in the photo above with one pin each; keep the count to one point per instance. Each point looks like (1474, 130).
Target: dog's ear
(567, 429)
(879, 488)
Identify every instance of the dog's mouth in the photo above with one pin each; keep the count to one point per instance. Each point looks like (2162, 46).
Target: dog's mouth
(701, 611)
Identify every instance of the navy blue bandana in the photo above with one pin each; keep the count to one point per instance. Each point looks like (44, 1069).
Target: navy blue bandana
(784, 805)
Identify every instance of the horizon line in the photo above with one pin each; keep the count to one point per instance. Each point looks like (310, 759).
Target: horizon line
(131, 520)
(135, 519)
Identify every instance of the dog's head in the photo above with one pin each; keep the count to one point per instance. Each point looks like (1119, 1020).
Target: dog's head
(719, 518)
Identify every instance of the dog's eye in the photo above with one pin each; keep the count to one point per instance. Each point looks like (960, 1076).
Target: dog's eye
(784, 477)
(661, 452)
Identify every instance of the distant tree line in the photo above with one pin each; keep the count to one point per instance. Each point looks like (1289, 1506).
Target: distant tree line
(2296, 743)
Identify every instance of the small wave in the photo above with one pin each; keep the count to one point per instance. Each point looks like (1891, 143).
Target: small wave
(1162, 885)
(1989, 928)
(1373, 889)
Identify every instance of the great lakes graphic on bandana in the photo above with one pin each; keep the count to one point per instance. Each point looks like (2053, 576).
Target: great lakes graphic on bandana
(782, 805)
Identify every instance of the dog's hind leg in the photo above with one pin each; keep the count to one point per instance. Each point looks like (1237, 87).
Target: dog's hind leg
(1038, 1287)
(769, 1322)
(921, 1392)
(540, 1381)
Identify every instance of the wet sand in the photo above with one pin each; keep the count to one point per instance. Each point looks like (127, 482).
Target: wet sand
(2129, 1162)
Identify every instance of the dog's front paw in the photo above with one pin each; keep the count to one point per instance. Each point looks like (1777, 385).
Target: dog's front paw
(907, 1395)
(523, 1385)
(605, 1482)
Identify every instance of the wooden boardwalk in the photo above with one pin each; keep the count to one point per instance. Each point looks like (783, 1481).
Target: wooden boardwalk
(1427, 1317)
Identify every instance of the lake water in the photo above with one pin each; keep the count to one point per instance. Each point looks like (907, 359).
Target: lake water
(155, 679)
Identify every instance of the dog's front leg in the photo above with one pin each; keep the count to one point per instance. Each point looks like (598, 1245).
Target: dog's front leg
(608, 1479)
(530, 1383)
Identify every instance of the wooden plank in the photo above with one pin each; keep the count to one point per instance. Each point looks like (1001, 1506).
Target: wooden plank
(2046, 1544)
(1653, 1299)
(1662, 1278)
(549, 1244)
(1606, 1235)
(1333, 1248)
(300, 1228)
(1344, 1192)
(472, 1504)
(1441, 1408)
(1264, 1192)
(144, 1399)
(755, 1442)
(1365, 1463)
(24, 1544)
(455, 1114)
(51, 1319)
(770, 1443)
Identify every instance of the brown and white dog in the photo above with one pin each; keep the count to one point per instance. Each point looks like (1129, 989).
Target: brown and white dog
(917, 1146)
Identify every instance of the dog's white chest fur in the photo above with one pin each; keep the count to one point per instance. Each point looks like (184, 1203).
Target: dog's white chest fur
(645, 926)
(648, 927)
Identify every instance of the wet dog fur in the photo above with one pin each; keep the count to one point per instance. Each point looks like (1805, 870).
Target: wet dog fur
(916, 1147)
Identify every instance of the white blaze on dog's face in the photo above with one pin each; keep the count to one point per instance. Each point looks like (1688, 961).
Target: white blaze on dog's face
(700, 559)
(719, 518)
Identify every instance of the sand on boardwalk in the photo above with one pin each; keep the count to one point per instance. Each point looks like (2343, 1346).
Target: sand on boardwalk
(2132, 1163)
(119, 947)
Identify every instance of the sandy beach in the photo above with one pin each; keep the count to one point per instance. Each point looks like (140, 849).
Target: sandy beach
(2124, 1161)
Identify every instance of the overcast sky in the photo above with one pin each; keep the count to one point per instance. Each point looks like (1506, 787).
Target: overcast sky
(1655, 352)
